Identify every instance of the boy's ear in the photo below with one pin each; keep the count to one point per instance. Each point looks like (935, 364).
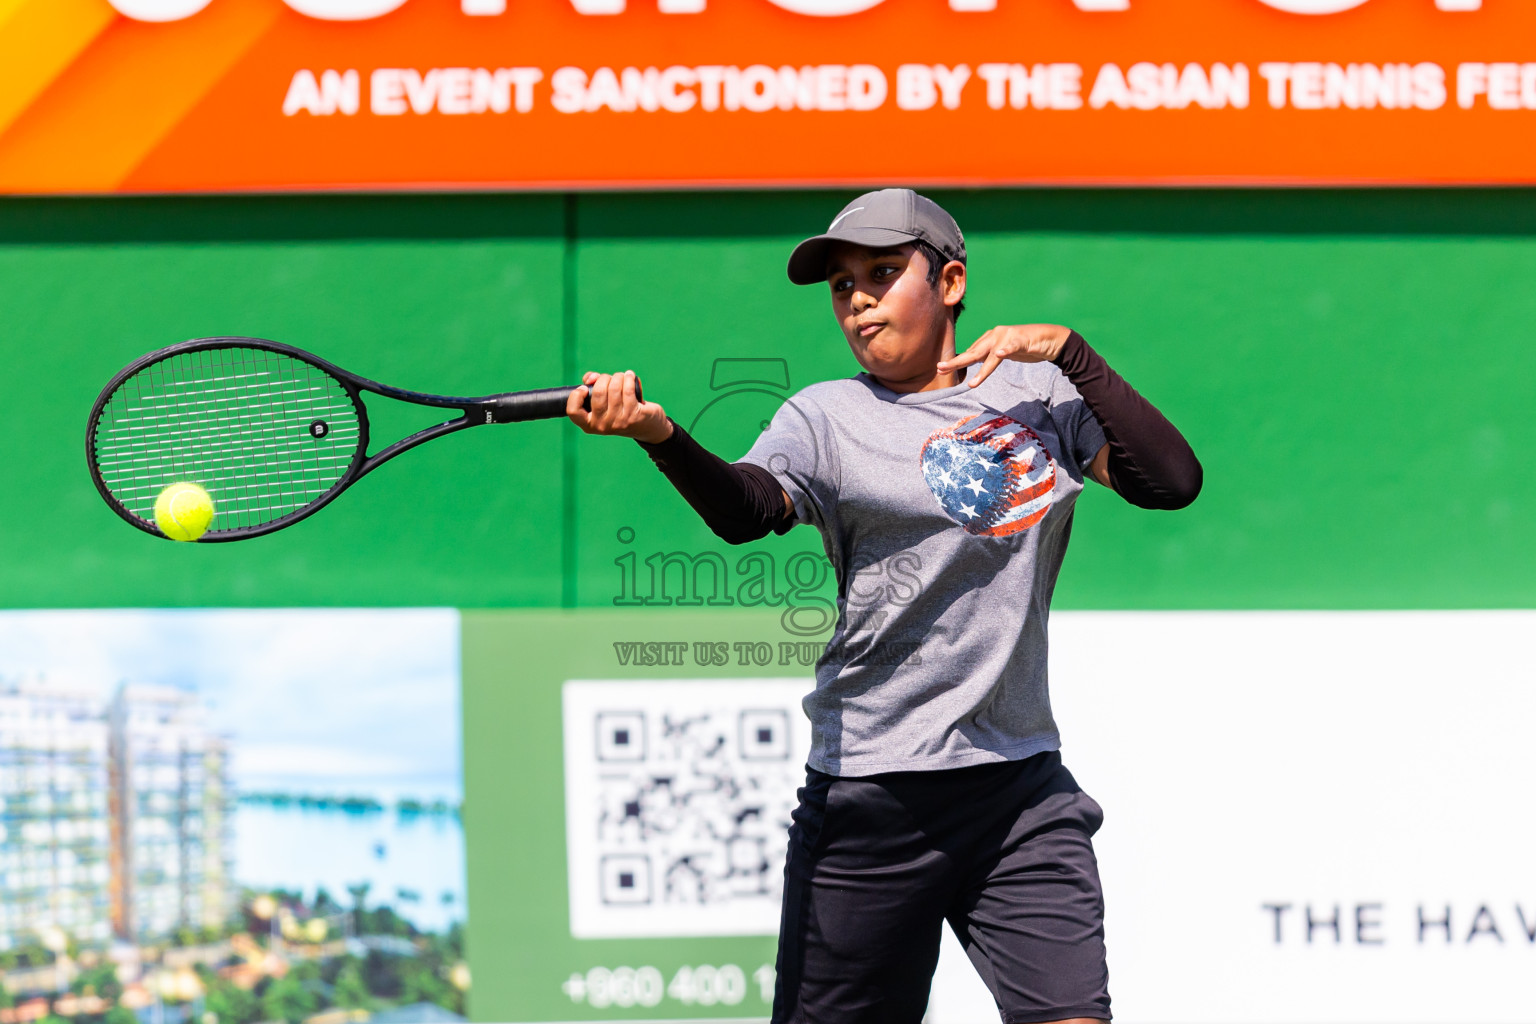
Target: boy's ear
(952, 282)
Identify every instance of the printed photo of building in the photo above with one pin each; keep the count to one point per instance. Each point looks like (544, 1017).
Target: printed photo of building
(179, 844)
(115, 815)
(169, 806)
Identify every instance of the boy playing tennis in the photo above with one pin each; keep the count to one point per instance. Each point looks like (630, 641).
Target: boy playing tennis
(934, 788)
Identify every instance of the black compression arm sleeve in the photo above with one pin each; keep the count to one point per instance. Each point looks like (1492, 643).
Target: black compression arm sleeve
(1150, 463)
(739, 501)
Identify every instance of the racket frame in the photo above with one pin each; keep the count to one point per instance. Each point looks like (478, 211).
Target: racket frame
(507, 407)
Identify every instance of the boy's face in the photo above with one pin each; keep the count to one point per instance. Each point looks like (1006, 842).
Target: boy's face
(894, 320)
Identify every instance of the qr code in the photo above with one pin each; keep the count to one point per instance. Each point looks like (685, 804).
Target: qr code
(677, 803)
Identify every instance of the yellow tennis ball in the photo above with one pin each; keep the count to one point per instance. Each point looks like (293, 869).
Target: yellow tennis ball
(183, 511)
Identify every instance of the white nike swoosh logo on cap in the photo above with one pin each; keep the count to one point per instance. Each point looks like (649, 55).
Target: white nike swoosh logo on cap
(840, 216)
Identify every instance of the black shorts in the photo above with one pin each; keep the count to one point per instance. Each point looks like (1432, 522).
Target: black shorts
(877, 864)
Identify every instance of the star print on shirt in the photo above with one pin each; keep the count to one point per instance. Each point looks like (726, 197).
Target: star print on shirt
(1002, 463)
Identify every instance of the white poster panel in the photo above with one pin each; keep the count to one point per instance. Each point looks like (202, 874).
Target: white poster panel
(1310, 816)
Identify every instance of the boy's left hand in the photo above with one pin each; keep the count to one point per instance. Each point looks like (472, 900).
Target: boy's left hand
(1026, 343)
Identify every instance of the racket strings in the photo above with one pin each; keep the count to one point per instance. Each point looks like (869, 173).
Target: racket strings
(240, 422)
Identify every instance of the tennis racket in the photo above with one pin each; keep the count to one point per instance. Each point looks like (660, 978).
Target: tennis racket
(271, 432)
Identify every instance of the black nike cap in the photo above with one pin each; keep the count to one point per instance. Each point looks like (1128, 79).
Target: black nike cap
(889, 217)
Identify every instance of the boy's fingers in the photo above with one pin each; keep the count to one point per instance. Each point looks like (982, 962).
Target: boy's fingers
(969, 356)
(631, 393)
(573, 409)
(616, 392)
(599, 390)
(614, 402)
(991, 364)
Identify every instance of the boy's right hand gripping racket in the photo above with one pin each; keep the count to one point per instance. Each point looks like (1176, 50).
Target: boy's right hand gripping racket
(272, 433)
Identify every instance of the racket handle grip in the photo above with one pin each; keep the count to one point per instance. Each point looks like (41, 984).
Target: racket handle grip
(542, 404)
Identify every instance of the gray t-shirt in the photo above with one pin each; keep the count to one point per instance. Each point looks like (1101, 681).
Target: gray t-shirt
(946, 515)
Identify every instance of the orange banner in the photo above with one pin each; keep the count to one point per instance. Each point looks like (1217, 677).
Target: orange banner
(214, 95)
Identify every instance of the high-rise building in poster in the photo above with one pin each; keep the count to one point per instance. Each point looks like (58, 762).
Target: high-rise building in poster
(54, 829)
(114, 815)
(169, 812)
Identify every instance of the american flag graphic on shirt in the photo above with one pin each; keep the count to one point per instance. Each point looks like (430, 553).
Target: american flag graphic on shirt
(994, 480)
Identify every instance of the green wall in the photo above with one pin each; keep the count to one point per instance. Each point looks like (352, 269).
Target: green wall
(1353, 368)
